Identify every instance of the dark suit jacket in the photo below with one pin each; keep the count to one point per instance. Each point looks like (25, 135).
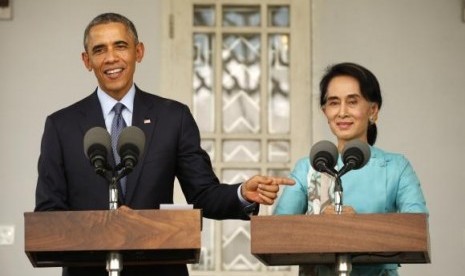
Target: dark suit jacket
(67, 180)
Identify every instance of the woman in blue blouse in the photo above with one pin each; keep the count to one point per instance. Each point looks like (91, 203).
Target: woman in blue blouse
(350, 99)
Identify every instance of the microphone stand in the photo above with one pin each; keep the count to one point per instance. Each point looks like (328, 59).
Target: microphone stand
(343, 260)
(338, 206)
(338, 196)
(113, 192)
(114, 263)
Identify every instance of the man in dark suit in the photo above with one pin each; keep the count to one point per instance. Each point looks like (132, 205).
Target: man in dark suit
(67, 180)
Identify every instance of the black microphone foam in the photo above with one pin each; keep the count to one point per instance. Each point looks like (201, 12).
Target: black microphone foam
(323, 156)
(97, 144)
(356, 152)
(131, 144)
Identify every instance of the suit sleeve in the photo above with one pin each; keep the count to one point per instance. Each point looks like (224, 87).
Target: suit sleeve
(198, 182)
(51, 183)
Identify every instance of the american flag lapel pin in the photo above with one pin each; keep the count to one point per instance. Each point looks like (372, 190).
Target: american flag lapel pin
(147, 121)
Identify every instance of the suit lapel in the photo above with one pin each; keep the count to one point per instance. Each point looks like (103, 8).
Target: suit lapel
(91, 112)
(92, 116)
(145, 118)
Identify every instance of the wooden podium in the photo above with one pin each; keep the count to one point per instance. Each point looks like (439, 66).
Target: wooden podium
(84, 238)
(318, 239)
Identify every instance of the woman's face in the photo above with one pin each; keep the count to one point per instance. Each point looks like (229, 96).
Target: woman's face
(347, 111)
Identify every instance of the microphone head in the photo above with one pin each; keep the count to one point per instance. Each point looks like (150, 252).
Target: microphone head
(96, 138)
(357, 152)
(131, 144)
(323, 155)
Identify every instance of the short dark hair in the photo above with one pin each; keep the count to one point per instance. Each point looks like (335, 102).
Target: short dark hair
(369, 87)
(106, 18)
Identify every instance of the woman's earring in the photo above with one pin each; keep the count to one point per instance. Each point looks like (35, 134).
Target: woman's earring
(372, 120)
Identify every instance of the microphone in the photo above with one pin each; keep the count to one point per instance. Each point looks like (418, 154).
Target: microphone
(97, 144)
(323, 156)
(355, 155)
(130, 146)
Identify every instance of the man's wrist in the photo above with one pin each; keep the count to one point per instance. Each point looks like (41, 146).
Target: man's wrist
(242, 197)
(249, 207)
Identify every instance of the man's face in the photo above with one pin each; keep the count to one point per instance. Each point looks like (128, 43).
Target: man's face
(112, 53)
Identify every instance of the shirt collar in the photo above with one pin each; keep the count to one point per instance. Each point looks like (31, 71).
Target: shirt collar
(107, 102)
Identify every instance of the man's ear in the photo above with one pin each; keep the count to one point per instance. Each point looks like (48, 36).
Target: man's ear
(140, 49)
(85, 59)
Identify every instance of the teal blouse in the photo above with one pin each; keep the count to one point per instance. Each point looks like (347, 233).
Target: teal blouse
(386, 184)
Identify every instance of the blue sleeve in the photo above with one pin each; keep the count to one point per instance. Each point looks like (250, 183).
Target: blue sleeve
(293, 199)
(410, 197)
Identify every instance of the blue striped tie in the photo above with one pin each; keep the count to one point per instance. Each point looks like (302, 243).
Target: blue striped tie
(116, 127)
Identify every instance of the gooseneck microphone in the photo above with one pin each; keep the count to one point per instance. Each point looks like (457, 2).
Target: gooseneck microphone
(130, 147)
(97, 144)
(354, 156)
(323, 157)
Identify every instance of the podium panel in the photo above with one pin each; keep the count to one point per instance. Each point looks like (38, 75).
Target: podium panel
(84, 238)
(317, 239)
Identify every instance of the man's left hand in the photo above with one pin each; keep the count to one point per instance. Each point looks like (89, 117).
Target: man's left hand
(263, 189)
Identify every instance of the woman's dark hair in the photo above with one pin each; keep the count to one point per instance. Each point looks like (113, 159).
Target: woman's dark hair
(369, 87)
(110, 17)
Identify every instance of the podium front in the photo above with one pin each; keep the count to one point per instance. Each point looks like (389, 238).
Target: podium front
(84, 238)
(317, 239)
